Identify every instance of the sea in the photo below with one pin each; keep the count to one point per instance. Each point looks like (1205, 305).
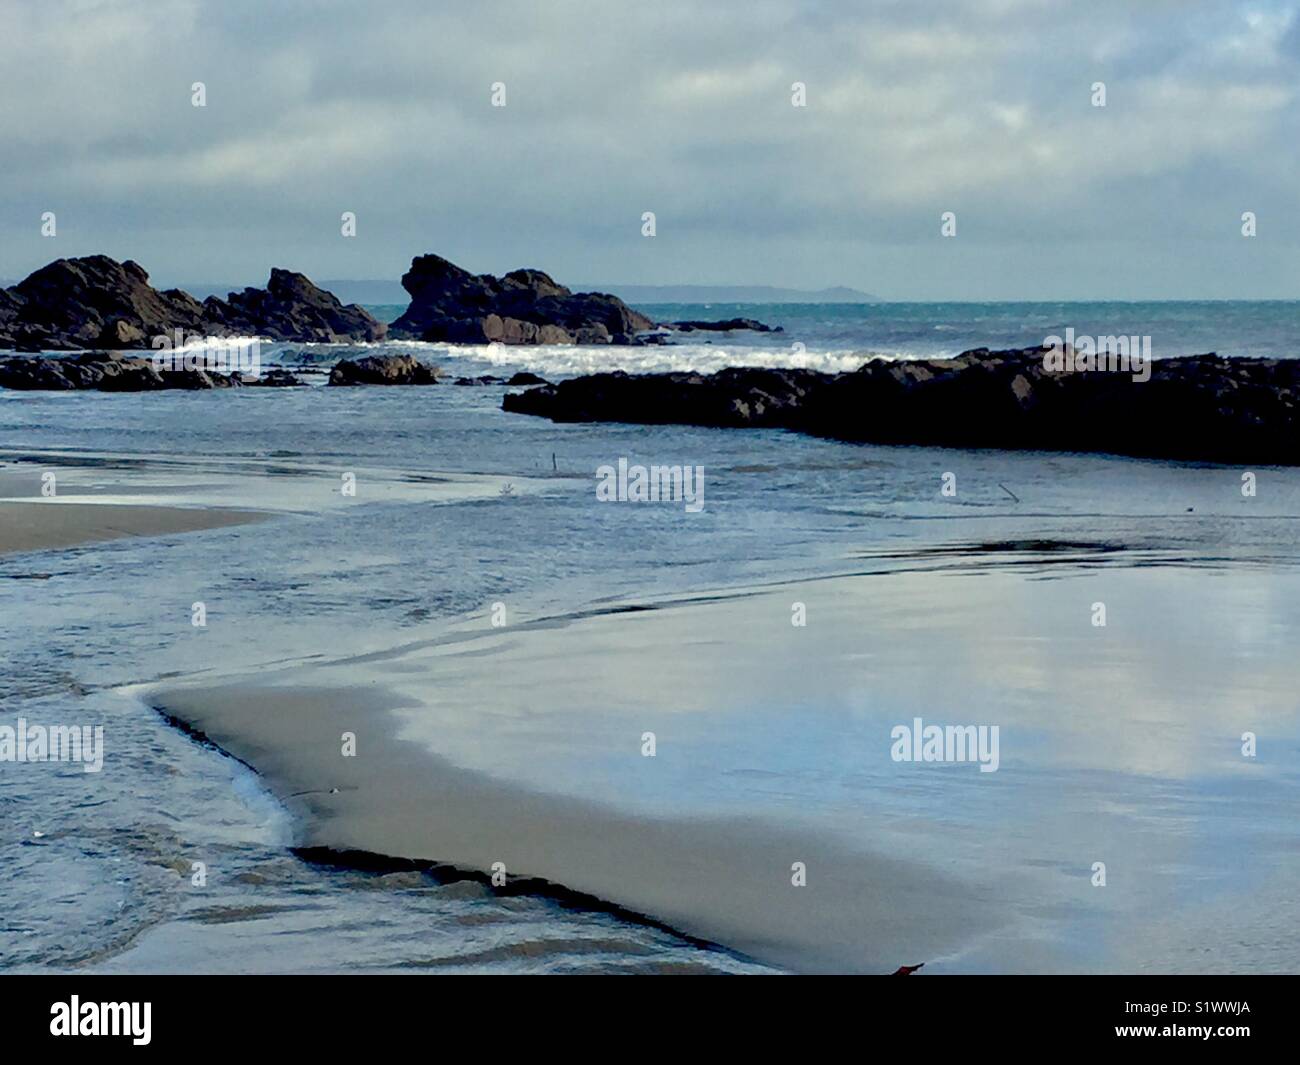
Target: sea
(1122, 743)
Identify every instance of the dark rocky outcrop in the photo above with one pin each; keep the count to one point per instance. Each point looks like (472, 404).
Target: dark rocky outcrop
(111, 371)
(104, 372)
(452, 305)
(98, 302)
(383, 370)
(92, 302)
(727, 325)
(731, 398)
(1199, 407)
(292, 308)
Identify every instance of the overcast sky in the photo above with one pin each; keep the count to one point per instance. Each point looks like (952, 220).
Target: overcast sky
(680, 107)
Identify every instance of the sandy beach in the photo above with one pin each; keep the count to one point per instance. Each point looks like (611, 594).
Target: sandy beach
(523, 746)
(111, 497)
(32, 522)
(29, 527)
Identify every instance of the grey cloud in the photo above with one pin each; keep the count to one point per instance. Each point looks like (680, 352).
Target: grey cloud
(680, 108)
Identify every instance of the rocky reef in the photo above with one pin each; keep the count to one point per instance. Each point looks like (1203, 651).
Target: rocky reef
(102, 371)
(98, 302)
(1198, 407)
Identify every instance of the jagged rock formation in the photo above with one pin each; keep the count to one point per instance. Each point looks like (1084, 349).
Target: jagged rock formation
(292, 308)
(1198, 407)
(98, 302)
(524, 307)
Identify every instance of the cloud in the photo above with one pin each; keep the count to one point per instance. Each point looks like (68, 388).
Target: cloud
(983, 108)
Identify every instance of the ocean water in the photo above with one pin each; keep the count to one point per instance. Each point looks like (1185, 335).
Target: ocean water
(836, 336)
(98, 869)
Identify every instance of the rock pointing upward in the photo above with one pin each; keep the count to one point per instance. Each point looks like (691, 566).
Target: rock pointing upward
(292, 308)
(524, 307)
(98, 302)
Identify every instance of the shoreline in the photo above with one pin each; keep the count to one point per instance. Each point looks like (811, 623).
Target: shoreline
(520, 746)
(33, 528)
(584, 849)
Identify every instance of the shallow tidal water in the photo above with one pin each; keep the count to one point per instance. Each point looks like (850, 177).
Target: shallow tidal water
(1118, 744)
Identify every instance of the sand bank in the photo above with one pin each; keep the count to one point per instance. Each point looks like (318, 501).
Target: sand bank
(54, 526)
(724, 880)
(523, 745)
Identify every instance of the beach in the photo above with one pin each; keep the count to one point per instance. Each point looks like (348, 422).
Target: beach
(527, 748)
(501, 645)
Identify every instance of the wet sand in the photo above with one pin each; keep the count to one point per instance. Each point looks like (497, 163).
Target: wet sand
(53, 526)
(101, 497)
(724, 880)
(1120, 744)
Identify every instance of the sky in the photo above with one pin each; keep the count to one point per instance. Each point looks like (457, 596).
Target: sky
(982, 108)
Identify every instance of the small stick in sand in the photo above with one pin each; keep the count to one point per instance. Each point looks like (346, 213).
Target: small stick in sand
(1008, 491)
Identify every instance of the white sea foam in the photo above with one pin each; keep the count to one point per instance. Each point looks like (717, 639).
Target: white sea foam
(570, 359)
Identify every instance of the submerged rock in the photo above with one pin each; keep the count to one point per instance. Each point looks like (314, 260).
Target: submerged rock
(383, 370)
(725, 326)
(98, 302)
(482, 379)
(273, 378)
(520, 379)
(1199, 407)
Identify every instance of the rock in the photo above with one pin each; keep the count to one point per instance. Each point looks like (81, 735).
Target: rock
(451, 305)
(292, 308)
(92, 302)
(1199, 407)
(272, 378)
(726, 326)
(383, 370)
(122, 334)
(104, 372)
(512, 330)
(521, 379)
(593, 334)
(554, 334)
(97, 302)
(28, 375)
(733, 397)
